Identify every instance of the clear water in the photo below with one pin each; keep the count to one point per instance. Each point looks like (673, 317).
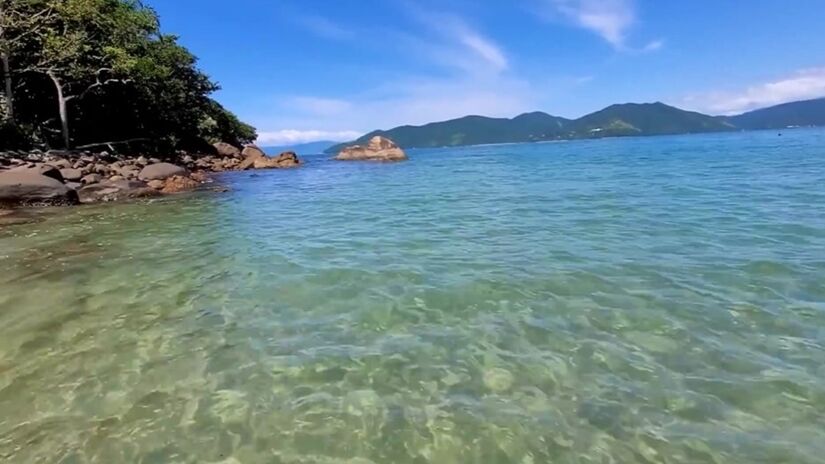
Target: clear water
(656, 300)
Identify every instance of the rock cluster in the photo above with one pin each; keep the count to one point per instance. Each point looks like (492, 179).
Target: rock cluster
(378, 149)
(67, 178)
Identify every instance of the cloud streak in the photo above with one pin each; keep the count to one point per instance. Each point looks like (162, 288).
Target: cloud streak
(324, 28)
(456, 42)
(295, 136)
(464, 72)
(801, 85)
(610, 19)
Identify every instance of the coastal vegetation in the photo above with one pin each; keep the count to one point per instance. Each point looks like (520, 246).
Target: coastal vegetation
(90, 73)
(629, 119)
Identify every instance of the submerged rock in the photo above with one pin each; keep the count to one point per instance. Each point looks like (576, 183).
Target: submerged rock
(116, 190)
(160, 171)
(378, 149)
(31, 188)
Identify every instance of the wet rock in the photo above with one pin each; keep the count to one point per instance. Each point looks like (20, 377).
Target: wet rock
(161, 171)
(201, 176)
(31, 188)
(177, 184)
(116, 190)
(378, 149)
(156, 184)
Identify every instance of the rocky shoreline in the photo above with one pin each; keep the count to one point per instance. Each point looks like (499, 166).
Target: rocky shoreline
(67, 178)
(58, 178)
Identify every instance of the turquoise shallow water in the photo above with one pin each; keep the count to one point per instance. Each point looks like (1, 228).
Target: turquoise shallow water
(656, 300)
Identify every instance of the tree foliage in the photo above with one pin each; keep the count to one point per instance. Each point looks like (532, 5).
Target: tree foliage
(82, 72)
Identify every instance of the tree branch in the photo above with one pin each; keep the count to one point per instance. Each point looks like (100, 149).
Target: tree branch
(98, 83)
(110, 144)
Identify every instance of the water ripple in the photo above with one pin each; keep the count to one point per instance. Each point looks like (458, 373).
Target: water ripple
(631, 300)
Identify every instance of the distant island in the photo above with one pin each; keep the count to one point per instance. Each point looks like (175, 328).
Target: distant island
(629, 119)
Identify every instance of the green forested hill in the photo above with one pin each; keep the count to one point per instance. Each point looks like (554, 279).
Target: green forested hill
(629, 119)
(797, 114)
(644, 119)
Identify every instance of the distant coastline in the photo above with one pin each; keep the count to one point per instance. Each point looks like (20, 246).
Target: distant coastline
(622, 120)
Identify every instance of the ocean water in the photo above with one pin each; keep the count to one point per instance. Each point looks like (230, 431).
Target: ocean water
(651, 300)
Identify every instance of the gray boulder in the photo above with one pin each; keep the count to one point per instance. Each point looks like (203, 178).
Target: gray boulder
(30, 188)
(161, 171)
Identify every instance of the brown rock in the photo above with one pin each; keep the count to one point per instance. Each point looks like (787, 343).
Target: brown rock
(156, 184)
(378, 149)
(31, 188)
(200, 176)
(284, 160)
(226, 150)
(42, 169)
(91, 179)
(71, 175)
(60, 163)
(251, 154)
(177, 184)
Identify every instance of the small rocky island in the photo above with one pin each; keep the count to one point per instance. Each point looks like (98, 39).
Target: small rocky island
(378, 149)
(71, 177)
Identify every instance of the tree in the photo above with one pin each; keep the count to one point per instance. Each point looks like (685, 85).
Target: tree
(92, 71)
(89, 45)
(19, 19)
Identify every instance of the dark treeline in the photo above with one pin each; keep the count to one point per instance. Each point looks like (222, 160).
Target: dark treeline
(82, 72)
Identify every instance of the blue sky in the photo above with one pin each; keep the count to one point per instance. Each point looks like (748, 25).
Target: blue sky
(304, 70)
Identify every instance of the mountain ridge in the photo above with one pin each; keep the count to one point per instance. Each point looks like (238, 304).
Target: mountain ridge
(617, 120)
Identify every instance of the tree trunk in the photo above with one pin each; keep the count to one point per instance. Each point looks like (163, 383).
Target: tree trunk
(4, 57)
(63, 109)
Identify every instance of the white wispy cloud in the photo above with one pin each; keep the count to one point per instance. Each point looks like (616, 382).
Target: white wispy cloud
(801, 85)
(482, 46)
(612, 20)
(653, 46)
(295, 136)
(319, 106)
(455, 42)
(324, 27)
